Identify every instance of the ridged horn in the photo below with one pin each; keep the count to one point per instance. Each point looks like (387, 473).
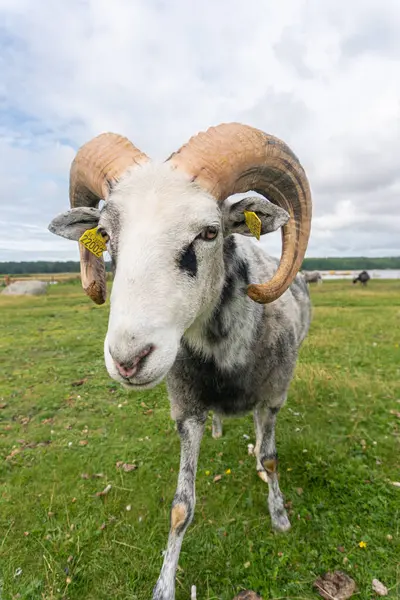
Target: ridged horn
(97, 165)
(233, 158)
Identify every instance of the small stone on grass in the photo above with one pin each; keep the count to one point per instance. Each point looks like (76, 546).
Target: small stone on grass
(379, 588)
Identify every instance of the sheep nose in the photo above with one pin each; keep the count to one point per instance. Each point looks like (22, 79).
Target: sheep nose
(128, 368)
(125, 371)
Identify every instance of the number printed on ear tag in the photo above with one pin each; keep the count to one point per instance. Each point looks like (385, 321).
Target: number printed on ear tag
(253, 223)
(93, 241)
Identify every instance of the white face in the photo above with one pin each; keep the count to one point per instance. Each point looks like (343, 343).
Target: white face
(166, 243)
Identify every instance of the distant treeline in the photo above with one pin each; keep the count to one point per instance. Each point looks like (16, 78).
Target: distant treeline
(41, 266)
(351, 263)
(310, 264)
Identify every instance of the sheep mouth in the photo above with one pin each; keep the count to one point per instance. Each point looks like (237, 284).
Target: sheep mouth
(150, 383)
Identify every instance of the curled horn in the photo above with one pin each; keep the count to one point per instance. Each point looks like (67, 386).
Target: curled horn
(234, 158)
(97, 165)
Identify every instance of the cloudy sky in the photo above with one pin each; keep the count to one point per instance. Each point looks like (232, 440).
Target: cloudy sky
(322, 75)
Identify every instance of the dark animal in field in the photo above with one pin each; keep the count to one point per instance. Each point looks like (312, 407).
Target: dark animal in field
(184, 305)
(363, 278)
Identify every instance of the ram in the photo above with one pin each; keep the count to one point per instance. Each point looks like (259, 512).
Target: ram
(194, 300)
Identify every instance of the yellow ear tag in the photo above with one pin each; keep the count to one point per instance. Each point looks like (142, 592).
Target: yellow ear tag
(93, 241)
(253, 223)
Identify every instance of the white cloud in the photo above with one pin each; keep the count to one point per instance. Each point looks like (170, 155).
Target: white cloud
(321, 75)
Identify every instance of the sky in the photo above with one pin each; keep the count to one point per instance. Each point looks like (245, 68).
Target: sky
(321, 75)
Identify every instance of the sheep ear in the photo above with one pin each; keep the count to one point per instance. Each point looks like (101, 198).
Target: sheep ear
(271, 216)
(73, 223)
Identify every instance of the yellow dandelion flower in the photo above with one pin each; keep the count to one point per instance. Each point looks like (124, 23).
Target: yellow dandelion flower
(362, 544)
(228, 471)
(207, 472)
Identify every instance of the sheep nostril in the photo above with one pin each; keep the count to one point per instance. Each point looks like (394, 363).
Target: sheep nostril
(126, 372)
(129, 368)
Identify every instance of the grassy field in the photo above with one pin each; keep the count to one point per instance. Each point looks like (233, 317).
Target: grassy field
(64, 426)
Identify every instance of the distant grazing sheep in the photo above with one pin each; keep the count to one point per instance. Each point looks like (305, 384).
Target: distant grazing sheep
(23, 288)
(363, 278)
(312, 277)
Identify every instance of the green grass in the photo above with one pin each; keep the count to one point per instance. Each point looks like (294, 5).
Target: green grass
(338, 440)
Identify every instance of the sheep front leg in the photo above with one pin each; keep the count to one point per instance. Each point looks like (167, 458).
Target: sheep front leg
(267, 461)
(216, 426)
(191, 432)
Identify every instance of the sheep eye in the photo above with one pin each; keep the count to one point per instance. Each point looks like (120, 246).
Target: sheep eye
(209, 233)
(103, 234)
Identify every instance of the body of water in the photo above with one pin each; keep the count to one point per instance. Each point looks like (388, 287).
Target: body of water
(374, 274)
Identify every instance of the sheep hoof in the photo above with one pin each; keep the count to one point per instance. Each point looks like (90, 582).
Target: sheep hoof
(281, 524)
